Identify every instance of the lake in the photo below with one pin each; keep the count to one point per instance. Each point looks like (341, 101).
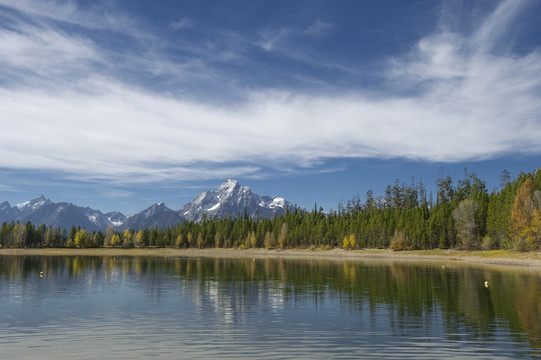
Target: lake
(204, 308)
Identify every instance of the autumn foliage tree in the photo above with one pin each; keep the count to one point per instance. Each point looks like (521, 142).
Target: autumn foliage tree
(525, 222)
(270, 240)
(81, 238)
(116, 240)
(282, 240)
(349, 242)
(464, 216)
(400, 241)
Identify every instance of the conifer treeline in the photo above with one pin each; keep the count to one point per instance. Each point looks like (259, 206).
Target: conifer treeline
(465, 216)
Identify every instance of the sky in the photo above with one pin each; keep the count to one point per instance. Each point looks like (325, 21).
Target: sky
(119, 104)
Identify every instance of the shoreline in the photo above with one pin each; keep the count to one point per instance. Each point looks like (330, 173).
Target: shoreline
(491, 257)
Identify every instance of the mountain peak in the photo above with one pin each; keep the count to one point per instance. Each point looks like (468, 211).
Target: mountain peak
(160, 205)
(155, 216)
(232, 199)
(156, 207)
(228, 186)
(34, 204)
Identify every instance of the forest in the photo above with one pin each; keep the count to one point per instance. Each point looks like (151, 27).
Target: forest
(462, 216)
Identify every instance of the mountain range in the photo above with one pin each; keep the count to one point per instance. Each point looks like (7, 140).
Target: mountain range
(230, 199)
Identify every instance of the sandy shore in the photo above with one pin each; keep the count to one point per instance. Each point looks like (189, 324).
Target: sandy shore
(495, 257)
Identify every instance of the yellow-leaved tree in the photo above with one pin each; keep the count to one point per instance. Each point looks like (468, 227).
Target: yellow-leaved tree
(200, 241)
(525, 222)
(218, 239)
(115, 240)
(179, 243)
(127, 239)
(138, 238)
(282, 240)
(466, 228)
(353, 241)
(400, 241)
(81, 238)
(270, 240)
(108, 235)
(253, 239)
(345, 243)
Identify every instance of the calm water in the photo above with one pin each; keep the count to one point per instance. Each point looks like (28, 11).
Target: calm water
(128, 308)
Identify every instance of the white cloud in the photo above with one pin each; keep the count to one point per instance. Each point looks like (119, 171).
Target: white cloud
(46, 53)
(279, 38)
(271, 36)
(468, 104)
(94, 16)
(182, 23)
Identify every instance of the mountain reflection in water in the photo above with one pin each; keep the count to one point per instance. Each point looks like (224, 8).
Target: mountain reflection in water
(136, 307)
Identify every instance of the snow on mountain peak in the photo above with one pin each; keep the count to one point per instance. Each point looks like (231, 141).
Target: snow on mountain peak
(38, 204)
(278, 202)
(22, 205)
(33, 204)
(214, 207)
(229, 186)
(232, 199)
(156, 207)
(230, 182)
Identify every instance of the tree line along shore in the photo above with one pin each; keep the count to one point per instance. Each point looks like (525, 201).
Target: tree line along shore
(440, 257)
(463, 216)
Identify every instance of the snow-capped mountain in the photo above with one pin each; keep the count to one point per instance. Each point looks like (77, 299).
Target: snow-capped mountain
(232, 199)
(8, 213)
(64, 215)
(156, 216)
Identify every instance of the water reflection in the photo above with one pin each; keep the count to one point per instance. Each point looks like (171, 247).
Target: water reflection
(274, 308)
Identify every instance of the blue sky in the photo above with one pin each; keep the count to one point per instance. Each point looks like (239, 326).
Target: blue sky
(120, 104)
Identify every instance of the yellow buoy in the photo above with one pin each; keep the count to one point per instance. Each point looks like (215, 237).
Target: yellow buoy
(486, 284)
(41, 274)
(443, 267)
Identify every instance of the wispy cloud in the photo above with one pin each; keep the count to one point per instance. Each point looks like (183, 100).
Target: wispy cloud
(283, 38)
(182, 23)
(38, 54)
(95, 15)
(319, 28)
(273, 35)
(457, 100)
(4, 187)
